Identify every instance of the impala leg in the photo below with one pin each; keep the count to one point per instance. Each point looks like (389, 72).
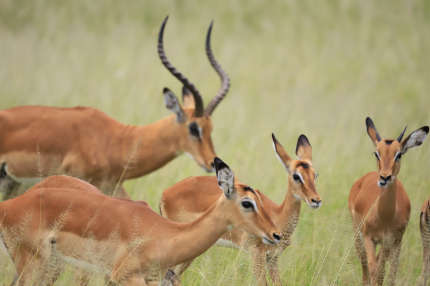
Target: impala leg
(171, 279)
(259, 265)
(370, 249)
(394, 262)
(179, 269)
(272, 264)
(425, 237)
(383, 255)
(361, 251)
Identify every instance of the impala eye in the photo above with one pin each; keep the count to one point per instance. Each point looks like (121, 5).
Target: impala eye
(247, 205)
(296, 178)
(195, 130)
(377, 155)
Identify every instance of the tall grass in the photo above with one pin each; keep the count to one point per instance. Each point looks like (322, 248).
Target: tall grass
(312, 67)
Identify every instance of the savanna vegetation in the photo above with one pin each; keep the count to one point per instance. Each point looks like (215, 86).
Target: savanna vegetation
(312, 67)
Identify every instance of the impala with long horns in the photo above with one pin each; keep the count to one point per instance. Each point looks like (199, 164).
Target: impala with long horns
(84, 142)
(380, 207)
(186, 200)
(67, 220)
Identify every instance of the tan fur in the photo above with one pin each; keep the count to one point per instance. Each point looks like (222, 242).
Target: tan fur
(380, 212)
(83, 142)
(66, 219)
(186, 200)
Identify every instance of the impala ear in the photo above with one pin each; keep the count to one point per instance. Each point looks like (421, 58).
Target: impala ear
(172, 103)
(304, 148)
(187, 98)
(416, 138)
(225, 178)
(281, 153)
(371, 130)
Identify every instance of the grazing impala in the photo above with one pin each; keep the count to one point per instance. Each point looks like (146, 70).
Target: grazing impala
(84, 142)
(380, 207)
(67, 220)
(425, 237)
(187, 200)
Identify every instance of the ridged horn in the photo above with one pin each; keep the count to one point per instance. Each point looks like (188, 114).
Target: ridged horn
(225, 80)
(198, 101)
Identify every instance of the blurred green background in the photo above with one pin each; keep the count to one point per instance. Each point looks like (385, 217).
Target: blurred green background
(312, 67)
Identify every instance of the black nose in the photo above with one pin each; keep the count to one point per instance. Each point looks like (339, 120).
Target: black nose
(315, 201)
(276, 236)
(387, 178)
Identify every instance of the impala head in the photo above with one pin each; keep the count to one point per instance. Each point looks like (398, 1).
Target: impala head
(194, 119)
(301, 174)
(389, 152)
(247, 209)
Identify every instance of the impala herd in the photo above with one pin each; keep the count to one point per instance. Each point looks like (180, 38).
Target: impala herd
(81, 215)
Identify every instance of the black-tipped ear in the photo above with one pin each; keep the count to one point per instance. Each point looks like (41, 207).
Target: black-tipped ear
(225, 177)
(172, 103)
(416, 138)
(187, 98)
(371, 130)
(304, 148)
(281, 153)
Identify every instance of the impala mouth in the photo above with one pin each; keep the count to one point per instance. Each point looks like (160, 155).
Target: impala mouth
(269, 241)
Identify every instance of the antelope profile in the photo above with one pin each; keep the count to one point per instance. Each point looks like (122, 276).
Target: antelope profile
(186, 200)
(380, 207)
(64, 219)
(38, 141)
(425, 238)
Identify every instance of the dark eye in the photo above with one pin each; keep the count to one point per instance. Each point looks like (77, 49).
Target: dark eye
(247, 205)
(376, 155)
(398, 157)
(296, 178)
(194, 129)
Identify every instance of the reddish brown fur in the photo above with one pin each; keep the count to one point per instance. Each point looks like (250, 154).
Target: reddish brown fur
(185, 200)
(86, 143)
(132, 243)
(380, 207)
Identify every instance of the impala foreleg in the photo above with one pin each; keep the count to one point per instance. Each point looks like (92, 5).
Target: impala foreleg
(259, 266)
(383, 255)
(394, 262)
(272, 264)
(370, 249)
(361, 251)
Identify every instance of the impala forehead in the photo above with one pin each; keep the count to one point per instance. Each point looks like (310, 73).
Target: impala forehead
(302, 167)
(388, 148)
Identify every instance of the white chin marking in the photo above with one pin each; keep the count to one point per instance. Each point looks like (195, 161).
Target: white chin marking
(267, 241)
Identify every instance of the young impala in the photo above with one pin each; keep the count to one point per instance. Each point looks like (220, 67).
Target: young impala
(425, 237)
(380, 207)
(84, 142)
(186, 200)
(67, 220)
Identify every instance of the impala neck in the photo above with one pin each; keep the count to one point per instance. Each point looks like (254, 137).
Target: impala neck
(192, 239)
(386, 205)
(289, 213)
(151, 147)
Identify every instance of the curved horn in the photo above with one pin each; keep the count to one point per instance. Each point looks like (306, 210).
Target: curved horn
(198, 111)
(225, 80)
(401, 135)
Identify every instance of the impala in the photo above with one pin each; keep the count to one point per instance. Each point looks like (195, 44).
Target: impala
(67, 220)
(185, 201)
(425, 237)
(84, 142)
(380, 207)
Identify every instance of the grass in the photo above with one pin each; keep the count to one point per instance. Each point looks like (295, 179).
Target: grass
(312, 67)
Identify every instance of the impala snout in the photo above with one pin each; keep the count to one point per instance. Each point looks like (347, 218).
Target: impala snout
(315, 203)
(275, 239)
(384, 180)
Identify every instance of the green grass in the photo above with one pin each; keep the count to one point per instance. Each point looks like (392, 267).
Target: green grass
(312, 67)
